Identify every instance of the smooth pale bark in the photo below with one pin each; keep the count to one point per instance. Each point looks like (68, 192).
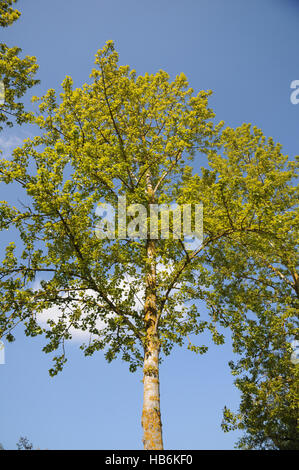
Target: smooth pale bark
(151, 416)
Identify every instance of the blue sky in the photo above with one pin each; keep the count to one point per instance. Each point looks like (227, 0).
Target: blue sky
(247, 53)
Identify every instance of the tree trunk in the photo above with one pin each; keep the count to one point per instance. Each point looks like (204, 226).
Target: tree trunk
(151, 416)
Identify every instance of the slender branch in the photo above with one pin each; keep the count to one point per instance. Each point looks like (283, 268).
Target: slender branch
(94, 284)
(115, 127)
(226, 208)
(178, 156)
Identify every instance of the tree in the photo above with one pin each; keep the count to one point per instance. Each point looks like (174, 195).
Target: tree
(250, 190)
(8, 14)
(16, 74)
(24, 444)
(121, 136)
(129, 137)
(268, 412)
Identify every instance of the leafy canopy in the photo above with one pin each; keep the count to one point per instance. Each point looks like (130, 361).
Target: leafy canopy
(101, 141)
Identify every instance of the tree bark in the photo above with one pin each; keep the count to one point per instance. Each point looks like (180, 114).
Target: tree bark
(151, 416)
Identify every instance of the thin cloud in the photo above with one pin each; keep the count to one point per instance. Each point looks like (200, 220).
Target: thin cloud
(55, 312)
(79, 335)
(7, 144)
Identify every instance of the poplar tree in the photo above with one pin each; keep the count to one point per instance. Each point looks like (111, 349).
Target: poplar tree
(144, 138)
(122, 135)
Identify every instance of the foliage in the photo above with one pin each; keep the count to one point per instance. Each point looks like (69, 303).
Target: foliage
(250, 191)
(17, 74)
(268, 411)
(24, 444)
(134, 136)
(100, 142)
(7, 13)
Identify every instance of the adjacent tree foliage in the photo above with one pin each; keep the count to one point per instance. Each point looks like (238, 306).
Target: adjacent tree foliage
(269, 409)
(250, 190)
(24, 444)
(16, 74)
(8, 13)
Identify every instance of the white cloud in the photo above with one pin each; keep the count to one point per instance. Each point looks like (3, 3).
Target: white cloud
(8, 143)
(55, 312)
(78, 335)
